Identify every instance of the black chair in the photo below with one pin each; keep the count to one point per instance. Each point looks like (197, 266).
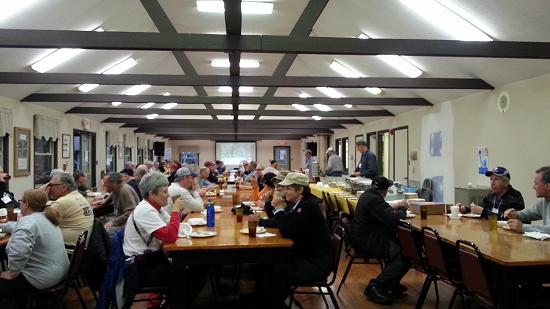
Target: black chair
(337, 243)
(426, 192)
(330, 213)
(440, 267)
(71, 278)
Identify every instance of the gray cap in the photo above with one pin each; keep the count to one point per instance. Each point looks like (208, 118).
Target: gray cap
(182, 172)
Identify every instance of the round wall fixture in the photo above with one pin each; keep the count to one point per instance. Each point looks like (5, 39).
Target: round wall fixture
(503, 102)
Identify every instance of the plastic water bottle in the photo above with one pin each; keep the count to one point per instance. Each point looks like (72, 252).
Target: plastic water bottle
(210, 214)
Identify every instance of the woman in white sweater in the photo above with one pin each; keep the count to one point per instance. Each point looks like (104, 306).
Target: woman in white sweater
(36, 253)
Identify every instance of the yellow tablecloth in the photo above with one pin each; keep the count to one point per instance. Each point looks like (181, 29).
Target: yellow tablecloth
(317, 190)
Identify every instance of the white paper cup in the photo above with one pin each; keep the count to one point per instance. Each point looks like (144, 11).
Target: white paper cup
(3, 212)
(185, 229)
(454, 211)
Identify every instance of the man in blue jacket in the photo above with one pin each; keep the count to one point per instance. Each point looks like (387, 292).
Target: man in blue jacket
(367, 167)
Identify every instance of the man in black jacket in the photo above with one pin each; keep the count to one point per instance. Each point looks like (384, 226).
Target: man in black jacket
(368, 166)
(6, 198)
(374, 234)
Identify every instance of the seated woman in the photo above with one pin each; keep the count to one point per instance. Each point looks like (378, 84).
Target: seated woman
(36, 253)
(501, 198)
(304, 223)
(148, 228)
(271, 182)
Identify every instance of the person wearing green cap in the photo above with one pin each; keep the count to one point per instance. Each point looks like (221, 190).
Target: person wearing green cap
(304, 223)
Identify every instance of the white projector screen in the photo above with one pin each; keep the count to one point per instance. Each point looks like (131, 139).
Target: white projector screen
(232, 153)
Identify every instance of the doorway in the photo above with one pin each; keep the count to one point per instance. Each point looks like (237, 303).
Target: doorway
(84, 155)
(282, 154)
(400, 155)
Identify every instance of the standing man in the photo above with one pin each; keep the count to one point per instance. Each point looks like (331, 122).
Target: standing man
(367, 167)
(540, 209)
(374, 232)
(310, 159)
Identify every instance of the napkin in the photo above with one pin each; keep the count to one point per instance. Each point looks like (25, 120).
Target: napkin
(537, 235)
(265, 235)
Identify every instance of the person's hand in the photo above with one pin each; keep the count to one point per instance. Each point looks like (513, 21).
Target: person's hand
(179, 205)
(476, 209)
(254, 181)
(194, 186)
(278, 202)
(201, 192)
(356, 174)
(108, 225)
(7, 276)
(511, 214)
(515, 225)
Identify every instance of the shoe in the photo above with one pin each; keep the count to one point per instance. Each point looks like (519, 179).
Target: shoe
(377, 294)
(399, 288)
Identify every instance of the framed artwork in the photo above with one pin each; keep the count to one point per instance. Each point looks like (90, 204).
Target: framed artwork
(22, 151)
(66, 146)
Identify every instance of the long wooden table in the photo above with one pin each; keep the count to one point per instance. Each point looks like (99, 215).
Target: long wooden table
(230, 246)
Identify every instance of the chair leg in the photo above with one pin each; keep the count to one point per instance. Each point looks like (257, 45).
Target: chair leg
(436, 290)
(424, 291)
(452, 302)
(333, 298)
(77, 290)
(345, 274)
(381, 261)
(322, 295)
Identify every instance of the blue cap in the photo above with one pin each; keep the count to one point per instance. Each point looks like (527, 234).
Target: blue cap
(498, 171)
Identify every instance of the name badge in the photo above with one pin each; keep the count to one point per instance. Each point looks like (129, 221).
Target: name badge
(6, 199)
(494, 210)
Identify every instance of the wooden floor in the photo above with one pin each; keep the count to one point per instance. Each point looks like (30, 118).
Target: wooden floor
(351, 295)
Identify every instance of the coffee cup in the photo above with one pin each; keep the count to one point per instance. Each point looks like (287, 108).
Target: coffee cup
(455, 209)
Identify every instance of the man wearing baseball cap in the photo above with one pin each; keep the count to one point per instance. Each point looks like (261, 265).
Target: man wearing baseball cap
(184, 185)
(374, 233)
(501, 198)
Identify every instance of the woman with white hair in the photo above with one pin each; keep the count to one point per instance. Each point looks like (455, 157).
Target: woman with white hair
(334, 164)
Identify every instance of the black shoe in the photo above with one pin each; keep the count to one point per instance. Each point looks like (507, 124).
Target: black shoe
(399, 288)
(377, 294)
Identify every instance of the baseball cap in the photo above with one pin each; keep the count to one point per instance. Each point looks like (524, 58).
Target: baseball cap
(295, 179)
(381, 183)
(498, 171)
(182, 172)
(209, 163)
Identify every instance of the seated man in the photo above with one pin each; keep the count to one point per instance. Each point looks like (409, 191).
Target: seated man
(251, 171)
(213, 176)
(203, 182)
(124, 200)
(76, 213)
(133, 182)
(539, 210)
(374, 233)
(501, 198)
(81, 179)
(184, 185)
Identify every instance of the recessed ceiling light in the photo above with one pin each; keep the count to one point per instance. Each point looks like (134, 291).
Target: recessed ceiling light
(244, 63)
(9, 8)
(348, 106)
(121, 66)
(169, 105)
(304, 95)
(247, 7)
(147, 105)
(152, 116)
(300, 107)
(166, 94)
(450, 22)
(87, 87)
(228, 89)
(136, 89)
(343, 70)
(55, 58)
(322, 107)
(116, 103)
(373, 90)
(330, 92)
(316, 117)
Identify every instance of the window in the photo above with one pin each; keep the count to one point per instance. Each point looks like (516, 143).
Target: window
(127, 151)
(4, 153)
(45, 159)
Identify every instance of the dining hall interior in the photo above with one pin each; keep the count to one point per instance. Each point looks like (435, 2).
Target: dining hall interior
(368, 144)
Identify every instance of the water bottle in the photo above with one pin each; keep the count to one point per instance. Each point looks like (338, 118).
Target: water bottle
(210, 214)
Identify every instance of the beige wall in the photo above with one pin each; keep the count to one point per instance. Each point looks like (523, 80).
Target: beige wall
(517, 139)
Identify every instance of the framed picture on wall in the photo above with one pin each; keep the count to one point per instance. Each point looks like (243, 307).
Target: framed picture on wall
(65, 146)
(22, 151)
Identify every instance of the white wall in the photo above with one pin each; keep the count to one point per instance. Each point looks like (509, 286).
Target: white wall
(517, 139)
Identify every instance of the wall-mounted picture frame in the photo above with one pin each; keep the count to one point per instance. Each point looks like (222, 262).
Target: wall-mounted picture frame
(65, 146)
(22, 151)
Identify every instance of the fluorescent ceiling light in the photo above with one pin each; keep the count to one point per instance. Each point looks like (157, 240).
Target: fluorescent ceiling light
(244, 63)
(147, 105)
(99, 29)
(304, 95)
(9, 8)
(330, 92)
(121, 66)
(55, 58)
(169, 105)
(300, 107)
(316, 117)
(137, 89)
(373, 90)
(343, 70)
(450, 22)
(87, 87)
(363, 36)
(116, 103)
(348, 105)
(322, 107)
(247, 7)
(228, 89)
(400, 64)
(166, 94)
(152, 116)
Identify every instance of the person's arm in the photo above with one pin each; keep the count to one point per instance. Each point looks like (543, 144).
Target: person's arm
(193, 201)
(535, 228)
(531, 214)
(329, 165)
(8, 227)
(385, 214)
(128, 201)
(19, 250)
(169, 233)
(290, 225)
